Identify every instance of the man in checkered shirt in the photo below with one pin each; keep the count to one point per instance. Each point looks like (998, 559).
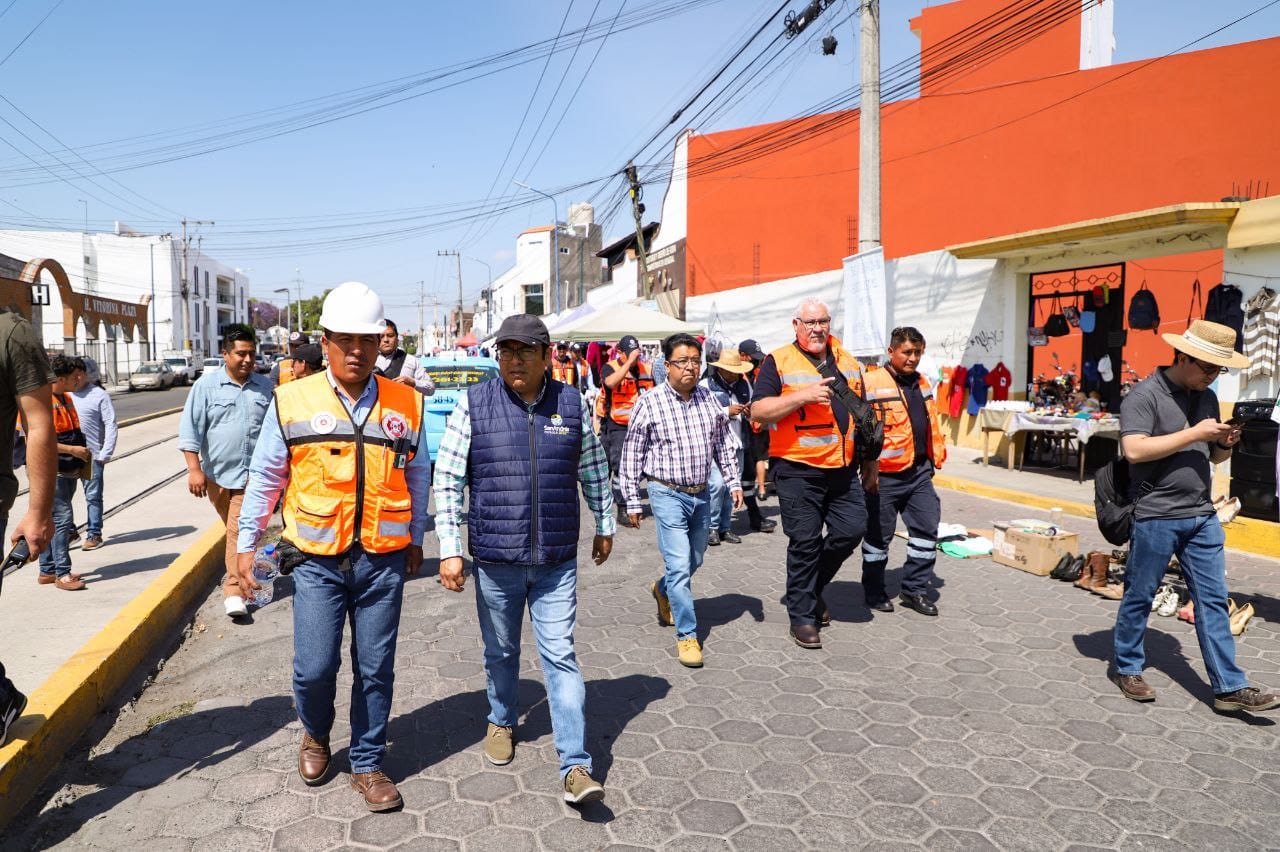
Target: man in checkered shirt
(677, 431)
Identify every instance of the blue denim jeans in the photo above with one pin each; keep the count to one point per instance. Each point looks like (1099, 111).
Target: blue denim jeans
(1198, 544)
(551, 594)
(682, 522)
(56, 558)
(93, 500)
(721, 511)
(324, 598)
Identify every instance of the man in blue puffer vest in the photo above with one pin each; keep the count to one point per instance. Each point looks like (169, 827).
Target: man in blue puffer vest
(523, 443)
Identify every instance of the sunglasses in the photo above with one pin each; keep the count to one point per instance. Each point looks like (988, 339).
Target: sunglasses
(1209, 369)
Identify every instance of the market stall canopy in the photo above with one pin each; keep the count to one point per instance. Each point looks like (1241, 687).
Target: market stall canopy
(465, 341)
(621, 320)
(570, 318)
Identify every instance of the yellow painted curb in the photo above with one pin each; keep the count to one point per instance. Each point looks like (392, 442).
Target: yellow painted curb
(1245, 534)
(154, 415)
(62, 708)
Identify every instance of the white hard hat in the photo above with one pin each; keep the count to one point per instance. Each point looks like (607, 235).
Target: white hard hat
(352, 308)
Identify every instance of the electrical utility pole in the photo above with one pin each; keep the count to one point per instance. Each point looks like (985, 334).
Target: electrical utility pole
(297, 280)
(869, 130)
(457, 256)
(186, 282)
(637, 210)
(422, 299)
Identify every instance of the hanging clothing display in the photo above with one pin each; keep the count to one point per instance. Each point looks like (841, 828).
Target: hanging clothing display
(977, 384)
(1262, 335)
(1225, 307)
(943, 390)
(959, 379)
(999, 380)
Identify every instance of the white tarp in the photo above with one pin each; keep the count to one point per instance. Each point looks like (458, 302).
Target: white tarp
(620, 320)
(865, 304)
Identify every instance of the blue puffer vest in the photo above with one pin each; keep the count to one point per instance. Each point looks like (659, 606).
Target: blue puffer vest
(524, 474)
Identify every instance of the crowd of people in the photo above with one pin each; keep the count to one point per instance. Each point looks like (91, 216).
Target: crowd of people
(337, 445)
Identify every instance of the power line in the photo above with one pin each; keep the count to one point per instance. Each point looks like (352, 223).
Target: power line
(32, 32)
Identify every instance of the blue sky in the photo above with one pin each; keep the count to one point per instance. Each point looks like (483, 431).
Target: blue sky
(96, 72)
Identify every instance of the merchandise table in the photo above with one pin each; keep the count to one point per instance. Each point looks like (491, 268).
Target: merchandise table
(1082, 430)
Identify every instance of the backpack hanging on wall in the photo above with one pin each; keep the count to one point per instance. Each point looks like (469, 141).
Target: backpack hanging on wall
(1056, 325)
(1225, 306)
(1144, 313)
(1088, 316)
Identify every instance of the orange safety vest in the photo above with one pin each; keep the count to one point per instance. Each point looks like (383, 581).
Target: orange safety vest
(899, 453)
(65, 417)
(564, 371)
(347, 479)
(623, 397)
(286, 372)
(810, 435)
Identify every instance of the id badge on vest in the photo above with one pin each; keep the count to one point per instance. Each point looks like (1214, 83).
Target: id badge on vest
(401, 449)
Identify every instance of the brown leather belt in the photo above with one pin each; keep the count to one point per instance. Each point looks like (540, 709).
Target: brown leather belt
(683, 489)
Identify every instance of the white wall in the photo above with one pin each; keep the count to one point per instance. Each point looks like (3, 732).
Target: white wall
(1250, 269)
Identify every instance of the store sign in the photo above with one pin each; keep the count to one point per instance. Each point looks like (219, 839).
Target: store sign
(865, 311)
(111, 308)
(40, 294)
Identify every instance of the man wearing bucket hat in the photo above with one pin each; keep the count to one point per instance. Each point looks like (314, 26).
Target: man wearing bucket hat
(344, 448)
(1170, 434)
(726, 379)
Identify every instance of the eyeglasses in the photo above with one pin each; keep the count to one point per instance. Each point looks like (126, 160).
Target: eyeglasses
(524, 353)
(686, 363)
(825, 322)
(1209, 369)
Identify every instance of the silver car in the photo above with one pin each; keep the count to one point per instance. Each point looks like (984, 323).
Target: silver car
(152, 375)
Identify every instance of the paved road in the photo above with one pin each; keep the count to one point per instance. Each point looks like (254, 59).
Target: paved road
(144, 402)
(992, 726)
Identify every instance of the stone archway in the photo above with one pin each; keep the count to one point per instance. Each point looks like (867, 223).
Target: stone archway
(95, 311)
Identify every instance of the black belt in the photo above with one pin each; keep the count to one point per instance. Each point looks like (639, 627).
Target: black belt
(683, 489)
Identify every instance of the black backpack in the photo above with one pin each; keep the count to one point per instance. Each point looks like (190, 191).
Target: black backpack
(1144, 313)
(1225, 308)
(1114, 500)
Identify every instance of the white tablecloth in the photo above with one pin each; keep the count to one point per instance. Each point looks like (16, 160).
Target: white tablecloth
(1085, 428)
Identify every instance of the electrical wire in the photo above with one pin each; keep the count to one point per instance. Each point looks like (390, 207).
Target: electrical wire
(32, 32)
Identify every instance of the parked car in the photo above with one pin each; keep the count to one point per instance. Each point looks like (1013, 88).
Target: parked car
(183, 367)
(452, 374)
(261, 364)
(152, 375)
(211, 364)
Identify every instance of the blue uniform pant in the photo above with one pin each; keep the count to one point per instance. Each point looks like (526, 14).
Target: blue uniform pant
(910, 495)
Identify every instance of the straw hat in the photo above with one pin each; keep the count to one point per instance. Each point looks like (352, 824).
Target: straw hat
(732, 361)
(1209, 342)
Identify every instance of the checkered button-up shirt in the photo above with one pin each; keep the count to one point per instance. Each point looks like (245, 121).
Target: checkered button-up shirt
(676, 440)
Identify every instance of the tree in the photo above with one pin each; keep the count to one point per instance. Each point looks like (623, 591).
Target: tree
(263, 315)
(311, 307)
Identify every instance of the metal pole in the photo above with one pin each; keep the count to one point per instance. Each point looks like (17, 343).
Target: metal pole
(288, 308)
(152, 306)
(555, 242)
(488, 323)
(869, 130)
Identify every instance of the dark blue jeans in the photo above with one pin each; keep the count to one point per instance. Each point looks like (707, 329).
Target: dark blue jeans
(369, 595)
(93, 500)
(1198, 544)
(56, 558)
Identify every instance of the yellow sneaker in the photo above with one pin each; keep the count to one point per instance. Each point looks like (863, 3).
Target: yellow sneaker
(664, 606)
(690, 652)
(499, 745)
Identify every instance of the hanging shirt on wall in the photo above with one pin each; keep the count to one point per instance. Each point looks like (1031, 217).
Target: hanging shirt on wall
(959, 375)
(977, 384)
(943, 390)
(999, 380)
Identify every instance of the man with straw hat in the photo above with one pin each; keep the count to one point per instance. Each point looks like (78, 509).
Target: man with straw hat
(726, 379)
(1170, 434)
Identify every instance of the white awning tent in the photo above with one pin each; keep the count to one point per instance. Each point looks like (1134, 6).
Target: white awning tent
(620, 320)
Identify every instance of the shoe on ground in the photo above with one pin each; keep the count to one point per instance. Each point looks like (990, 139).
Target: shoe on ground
(46, 579)
(91, 543)
(1188, 613)
(380, 794)
(919, 603)
(1228, 510)
(1074, 570)
(731, 537)
(313, 760)
(1134, 687)
(1159, 597)
(664, 606)
(762, 491)
(1169, 604)
(880, 604)
(499, 745)
(10, 712)
(713, 539)
(1060, 570)
(824, 613)
(1110, 591)
(1249, 698)
(689, 652)
(806, 636)
(765, 526)
(75, 536)
(234, 606)
(1240, 619)
(70, 583)
(580, 787)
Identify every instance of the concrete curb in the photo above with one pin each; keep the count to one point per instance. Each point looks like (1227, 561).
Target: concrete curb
(1244, 534)
(63, 707)
(143, 418)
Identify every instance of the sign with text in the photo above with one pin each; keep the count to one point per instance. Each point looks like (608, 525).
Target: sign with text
(865, 303)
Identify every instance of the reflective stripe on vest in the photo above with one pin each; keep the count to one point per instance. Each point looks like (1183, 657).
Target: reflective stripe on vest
(622, 399)
(899, 451)
(810, 434)
(345, 485)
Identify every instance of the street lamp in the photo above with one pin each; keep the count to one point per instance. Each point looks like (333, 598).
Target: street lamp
(288, 305)
(555, 232)
(488, 322)
(86, 213)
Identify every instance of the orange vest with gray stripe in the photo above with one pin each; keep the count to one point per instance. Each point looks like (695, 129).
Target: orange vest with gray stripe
(344, 478)
(286, 372)
(810, 435)
(899, 453)
(617, 404)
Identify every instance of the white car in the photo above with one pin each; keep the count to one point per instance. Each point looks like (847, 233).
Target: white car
(183, 367)
(211, 364)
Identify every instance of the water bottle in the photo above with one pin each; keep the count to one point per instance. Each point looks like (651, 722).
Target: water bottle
(266, 567)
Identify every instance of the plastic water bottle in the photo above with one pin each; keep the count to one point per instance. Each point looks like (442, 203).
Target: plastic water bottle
(266, 567)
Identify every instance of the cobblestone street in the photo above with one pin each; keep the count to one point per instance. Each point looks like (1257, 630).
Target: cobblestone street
(991, 726)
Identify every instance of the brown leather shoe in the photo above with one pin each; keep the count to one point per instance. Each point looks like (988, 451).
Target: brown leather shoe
(70, 583)
(313, 760)
(1134, 687)
(824, 613)
(806, 635)
(45, 579)
(378, 791)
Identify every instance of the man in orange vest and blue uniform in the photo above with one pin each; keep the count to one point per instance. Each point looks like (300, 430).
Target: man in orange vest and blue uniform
(623, 379)
(813, 454)
(914, 447)
(345, 448)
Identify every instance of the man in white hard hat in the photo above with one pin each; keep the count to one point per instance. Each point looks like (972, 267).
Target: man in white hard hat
(343, 447)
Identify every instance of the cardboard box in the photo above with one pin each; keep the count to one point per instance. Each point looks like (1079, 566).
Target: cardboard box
(1035, 554)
